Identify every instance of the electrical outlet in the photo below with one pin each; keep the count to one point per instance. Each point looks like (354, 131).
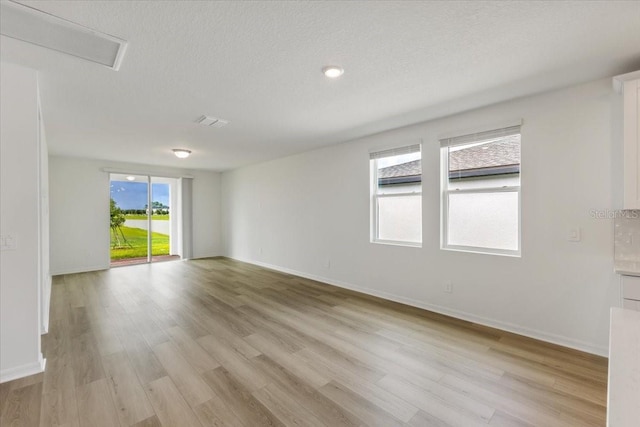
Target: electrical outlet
(448, 287)
(575, 234)
(327, 264)
(260, 250)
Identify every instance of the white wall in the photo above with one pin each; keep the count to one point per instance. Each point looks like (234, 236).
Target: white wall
(309, 214)
(207, 222)
(20, 282)
(79, 202)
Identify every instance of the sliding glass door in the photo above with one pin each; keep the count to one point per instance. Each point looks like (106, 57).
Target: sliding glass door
(141, 222)
(160, 218)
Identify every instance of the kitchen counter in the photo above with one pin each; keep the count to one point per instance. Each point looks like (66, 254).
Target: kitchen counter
(623, 395)
(628, 268)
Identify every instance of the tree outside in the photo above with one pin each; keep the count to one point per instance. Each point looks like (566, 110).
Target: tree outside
(117, 219)
(129, 242)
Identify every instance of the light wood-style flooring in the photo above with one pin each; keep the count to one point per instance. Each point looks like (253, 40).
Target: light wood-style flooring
(217, 342)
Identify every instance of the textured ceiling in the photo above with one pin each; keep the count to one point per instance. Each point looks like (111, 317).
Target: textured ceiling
(257, 64)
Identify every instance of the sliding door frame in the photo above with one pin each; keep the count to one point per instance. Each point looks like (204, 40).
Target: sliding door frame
(176, 212)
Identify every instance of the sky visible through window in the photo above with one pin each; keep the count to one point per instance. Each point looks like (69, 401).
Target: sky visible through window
(133, 195)
(396, 160)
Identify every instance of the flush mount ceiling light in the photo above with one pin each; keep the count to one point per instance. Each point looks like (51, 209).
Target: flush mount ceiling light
(181, 153)
(36, 27)
(332, 71)
(131, 178)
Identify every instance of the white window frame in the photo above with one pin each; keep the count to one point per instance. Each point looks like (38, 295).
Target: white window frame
(375, 196)
(444, 149)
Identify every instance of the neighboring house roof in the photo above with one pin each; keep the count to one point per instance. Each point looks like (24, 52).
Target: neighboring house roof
(498, 158)
(404, 173)
(488, 159)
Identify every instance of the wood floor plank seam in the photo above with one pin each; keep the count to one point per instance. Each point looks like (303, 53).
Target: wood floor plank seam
(218, 342)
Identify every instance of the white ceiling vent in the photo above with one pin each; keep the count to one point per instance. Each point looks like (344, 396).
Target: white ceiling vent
(212, 121)
(34, 26)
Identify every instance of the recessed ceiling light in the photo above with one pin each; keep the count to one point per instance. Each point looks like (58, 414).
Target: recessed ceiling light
(333, 71)
(181, 153)
(37, 27)
(131, 178)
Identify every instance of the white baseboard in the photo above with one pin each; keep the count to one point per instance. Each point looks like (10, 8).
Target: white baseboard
(470, 317)
(79, 270)
(215, 255)
(23, 370)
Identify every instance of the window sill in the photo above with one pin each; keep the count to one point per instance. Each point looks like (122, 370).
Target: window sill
(397, 243)
(483, 251)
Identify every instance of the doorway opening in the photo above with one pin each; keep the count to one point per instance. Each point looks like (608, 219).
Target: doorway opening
(144, 213)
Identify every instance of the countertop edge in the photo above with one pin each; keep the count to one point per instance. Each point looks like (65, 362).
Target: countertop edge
(625, 272)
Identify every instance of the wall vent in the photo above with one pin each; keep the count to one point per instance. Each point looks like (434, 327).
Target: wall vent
(212, 121)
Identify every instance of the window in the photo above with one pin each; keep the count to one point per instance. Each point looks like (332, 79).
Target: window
(481, 192)
(396, 196)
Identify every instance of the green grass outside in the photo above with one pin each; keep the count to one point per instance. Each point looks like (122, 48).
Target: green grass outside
(137, 238)
(153, 217)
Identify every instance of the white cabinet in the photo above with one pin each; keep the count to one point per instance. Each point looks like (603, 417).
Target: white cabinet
(623, 392)
(631, 292)
(629, 85)
(631, 304)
